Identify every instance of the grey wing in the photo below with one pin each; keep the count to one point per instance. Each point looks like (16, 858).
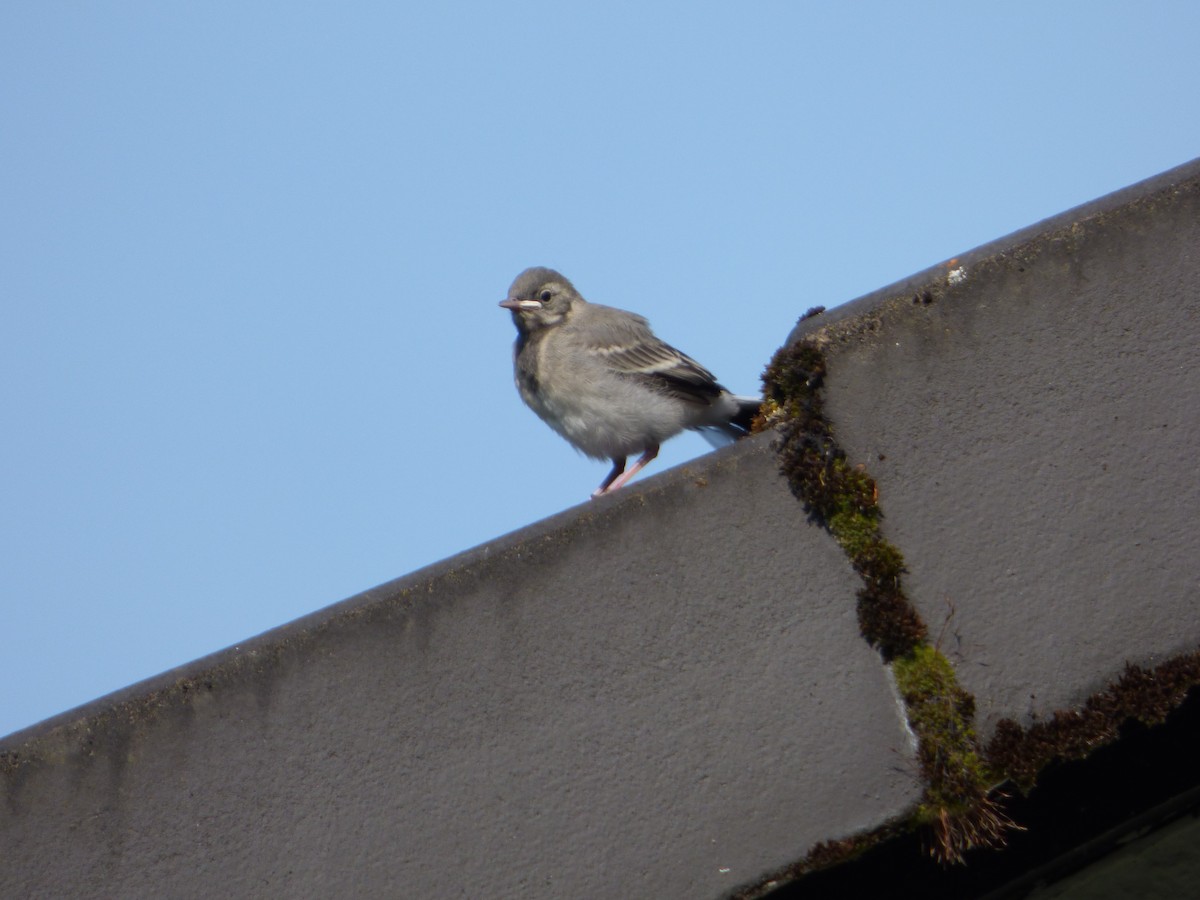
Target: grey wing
(628, 347)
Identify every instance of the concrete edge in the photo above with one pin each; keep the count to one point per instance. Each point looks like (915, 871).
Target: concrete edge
(936, 276)
(407, 588)
(592, 513)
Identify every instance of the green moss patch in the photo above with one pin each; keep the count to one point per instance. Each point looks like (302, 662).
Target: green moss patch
(956, 806)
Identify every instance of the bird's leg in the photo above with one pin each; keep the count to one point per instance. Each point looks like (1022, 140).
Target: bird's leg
(651, 452)
(617, 469)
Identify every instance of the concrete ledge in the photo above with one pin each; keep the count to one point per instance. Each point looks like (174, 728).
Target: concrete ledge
(1032, 416)
(664, 693)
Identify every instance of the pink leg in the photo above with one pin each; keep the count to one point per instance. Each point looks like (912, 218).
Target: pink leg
(617, 469)
(651, 452)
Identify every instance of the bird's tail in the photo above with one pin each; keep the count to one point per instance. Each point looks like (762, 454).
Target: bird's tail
(738, 425)
(747, 410)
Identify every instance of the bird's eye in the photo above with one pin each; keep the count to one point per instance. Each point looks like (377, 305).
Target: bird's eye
(544, 296)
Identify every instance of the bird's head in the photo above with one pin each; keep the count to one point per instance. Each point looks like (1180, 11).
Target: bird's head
(540, 298)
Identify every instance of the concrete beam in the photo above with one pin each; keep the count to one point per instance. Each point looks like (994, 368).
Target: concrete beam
(664, 693)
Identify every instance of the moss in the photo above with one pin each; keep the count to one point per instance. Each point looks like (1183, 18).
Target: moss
(1143, 695)
(855, 531)
(955, 805)
(844, 499)
(888, 623)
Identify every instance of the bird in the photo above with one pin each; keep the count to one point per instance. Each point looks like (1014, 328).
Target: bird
(600, 378)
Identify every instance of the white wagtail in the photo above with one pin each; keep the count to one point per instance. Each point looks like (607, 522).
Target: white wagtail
(601, 379)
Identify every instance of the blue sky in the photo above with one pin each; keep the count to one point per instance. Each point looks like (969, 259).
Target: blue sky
(251, 361)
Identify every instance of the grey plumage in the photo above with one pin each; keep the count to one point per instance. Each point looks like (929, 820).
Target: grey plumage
(600, 378)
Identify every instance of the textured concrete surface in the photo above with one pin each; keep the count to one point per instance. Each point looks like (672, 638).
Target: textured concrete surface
(662, 694)
(1032, 414)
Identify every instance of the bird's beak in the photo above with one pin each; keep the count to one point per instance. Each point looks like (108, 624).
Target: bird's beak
(520, 304)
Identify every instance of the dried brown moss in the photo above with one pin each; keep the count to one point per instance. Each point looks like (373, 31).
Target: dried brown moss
(840, 497)
(1144, 695)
